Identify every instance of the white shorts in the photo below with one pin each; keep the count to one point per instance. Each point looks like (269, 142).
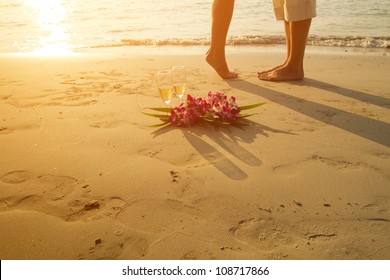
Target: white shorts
(294, 10)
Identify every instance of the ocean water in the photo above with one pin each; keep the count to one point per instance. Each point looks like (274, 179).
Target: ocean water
(47, 25)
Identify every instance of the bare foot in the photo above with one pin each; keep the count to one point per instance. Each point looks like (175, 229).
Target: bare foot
(220, 66)
(270, 70)
(282, 74)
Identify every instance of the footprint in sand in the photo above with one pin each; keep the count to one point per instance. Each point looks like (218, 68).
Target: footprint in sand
(293, 170)
(382, 155)
(15, 177)
(186, 186)
(128, 245)
(339, 163)
(47, 193)
(263, 233)
(91, 208)
(6, 83)
(23, 125)
(176, 158)
(156, 215)
(5, 97)
(149, 153)
(95, 83)
(112, 73)
(108, 124)
(44, 187)
(114, 206)
(286, 170)
(377, 211)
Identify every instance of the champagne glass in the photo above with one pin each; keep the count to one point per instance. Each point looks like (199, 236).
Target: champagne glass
(164, 81)
(179, 80)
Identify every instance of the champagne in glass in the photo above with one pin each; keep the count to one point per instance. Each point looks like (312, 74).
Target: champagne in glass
(179, 80)
(164, 81)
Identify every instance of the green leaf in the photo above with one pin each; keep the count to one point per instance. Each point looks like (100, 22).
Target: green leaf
(208, 120)
(166, 110)
(156, 115)
(245, 116)
(247, 107)
(160, 124)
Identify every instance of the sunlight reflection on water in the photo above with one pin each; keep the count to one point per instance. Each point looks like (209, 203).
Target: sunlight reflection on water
(50, 16)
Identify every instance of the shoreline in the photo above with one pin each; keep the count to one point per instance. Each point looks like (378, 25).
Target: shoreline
(196, 50)
(82, 176)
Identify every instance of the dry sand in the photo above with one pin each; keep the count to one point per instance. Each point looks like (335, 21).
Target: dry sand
(82, 176)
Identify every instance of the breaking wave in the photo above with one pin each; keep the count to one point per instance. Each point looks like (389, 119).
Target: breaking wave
(326, 41)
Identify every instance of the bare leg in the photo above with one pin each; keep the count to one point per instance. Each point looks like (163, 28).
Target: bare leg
(288, 44)
(222, 12)
(292, 69)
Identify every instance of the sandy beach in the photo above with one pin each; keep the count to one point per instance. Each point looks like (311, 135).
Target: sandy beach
(83, 176)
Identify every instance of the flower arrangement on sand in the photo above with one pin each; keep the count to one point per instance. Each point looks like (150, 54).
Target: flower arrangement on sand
(216, 108)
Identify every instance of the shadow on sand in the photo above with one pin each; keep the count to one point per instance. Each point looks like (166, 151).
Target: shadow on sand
(227, 138)
(371, 129)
